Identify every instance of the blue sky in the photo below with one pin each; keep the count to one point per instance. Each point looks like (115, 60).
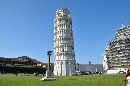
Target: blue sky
(26, 27)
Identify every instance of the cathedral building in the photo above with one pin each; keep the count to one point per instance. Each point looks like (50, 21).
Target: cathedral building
(117, 54)
(64, 55)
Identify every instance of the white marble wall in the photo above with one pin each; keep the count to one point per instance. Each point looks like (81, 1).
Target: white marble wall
(63, 44)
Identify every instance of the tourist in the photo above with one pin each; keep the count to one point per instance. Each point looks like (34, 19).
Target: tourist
(37, 73)
(3, 72)
(15, 74)
(127, 78)
(100, 72)
(34, 74)
(24, 73)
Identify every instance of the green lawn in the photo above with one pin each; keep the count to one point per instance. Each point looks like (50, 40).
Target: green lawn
(88, 80)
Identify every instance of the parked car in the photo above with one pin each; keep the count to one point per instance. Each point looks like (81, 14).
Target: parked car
(88, 72)
(122, 72)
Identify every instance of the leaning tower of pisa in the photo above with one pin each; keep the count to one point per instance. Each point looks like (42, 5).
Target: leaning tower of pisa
(64, 55)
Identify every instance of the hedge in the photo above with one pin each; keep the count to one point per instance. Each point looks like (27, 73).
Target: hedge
(22, 69)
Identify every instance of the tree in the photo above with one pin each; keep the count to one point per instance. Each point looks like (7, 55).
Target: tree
(12, 63)
(3, 63)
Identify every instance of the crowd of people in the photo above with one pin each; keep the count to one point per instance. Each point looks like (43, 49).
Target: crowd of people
(89, 72)
(16, 73)
(2, 72)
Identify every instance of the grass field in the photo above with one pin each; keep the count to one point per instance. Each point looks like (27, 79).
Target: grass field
(88, 80)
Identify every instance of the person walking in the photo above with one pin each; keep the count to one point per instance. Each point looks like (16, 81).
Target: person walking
(127, 78)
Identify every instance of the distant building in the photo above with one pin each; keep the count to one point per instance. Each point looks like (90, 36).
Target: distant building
(21, 61)
(117, 54)
(90, 67)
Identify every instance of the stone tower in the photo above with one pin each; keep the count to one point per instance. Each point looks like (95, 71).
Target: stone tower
(64, 55)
